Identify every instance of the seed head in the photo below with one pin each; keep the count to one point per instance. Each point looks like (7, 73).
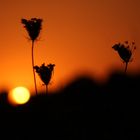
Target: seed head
(45, 72)
(33, 27)
(125, 50)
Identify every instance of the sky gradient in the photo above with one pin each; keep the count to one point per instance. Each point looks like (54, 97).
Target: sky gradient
(76, 35)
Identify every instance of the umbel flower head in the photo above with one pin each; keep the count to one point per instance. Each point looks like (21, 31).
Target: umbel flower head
(45, 72)
(125, 50)
(33, 27)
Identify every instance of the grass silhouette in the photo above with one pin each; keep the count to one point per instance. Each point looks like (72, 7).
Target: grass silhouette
(45, 73)
(125, 51)
(33, 27)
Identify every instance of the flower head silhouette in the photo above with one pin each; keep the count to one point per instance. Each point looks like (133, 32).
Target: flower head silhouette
(33, 27)
(125, 51)
(45, 73)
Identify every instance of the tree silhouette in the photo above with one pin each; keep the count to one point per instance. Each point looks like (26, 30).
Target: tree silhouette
(33, 27)
(125, 51)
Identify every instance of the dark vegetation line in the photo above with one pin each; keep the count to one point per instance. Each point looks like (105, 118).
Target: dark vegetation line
(84, 109)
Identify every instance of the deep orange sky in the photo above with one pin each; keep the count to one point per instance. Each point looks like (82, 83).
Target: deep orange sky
(77, 36)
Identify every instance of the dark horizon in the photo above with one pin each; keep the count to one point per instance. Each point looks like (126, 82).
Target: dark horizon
(84, 109)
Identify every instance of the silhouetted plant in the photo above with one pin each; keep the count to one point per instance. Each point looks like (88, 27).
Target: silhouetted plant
(125, 51)
(33, 27)
(45, 73)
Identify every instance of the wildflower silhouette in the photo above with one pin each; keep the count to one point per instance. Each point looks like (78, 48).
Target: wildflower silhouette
(33, 27)
(125, 51)
(45, 73)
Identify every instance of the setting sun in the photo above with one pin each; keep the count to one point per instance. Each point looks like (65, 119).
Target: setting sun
(19, 95)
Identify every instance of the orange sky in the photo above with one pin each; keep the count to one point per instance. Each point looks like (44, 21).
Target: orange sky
(77, 36)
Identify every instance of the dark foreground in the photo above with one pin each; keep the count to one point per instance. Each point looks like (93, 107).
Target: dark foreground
(84, 110)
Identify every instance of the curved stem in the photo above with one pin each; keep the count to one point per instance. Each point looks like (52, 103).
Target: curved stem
(33, 67)
(126, 65)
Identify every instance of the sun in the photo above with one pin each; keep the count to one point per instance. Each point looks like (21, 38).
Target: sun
(19, 95)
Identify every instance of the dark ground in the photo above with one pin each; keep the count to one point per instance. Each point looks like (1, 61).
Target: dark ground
(83, 110)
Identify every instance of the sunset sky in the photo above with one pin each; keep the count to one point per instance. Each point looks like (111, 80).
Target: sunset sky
(76, 35)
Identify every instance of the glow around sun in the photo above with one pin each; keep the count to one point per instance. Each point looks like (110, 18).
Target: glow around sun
(19, 95)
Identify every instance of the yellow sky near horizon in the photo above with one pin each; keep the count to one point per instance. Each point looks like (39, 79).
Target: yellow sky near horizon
(77, 36)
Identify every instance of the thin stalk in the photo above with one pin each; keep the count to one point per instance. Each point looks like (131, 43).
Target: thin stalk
(126, 65)
(46, 88)
(33, 67)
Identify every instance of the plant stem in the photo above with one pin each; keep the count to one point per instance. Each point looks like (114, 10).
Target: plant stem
(33, 67)
(126, 65)
(46, 89)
